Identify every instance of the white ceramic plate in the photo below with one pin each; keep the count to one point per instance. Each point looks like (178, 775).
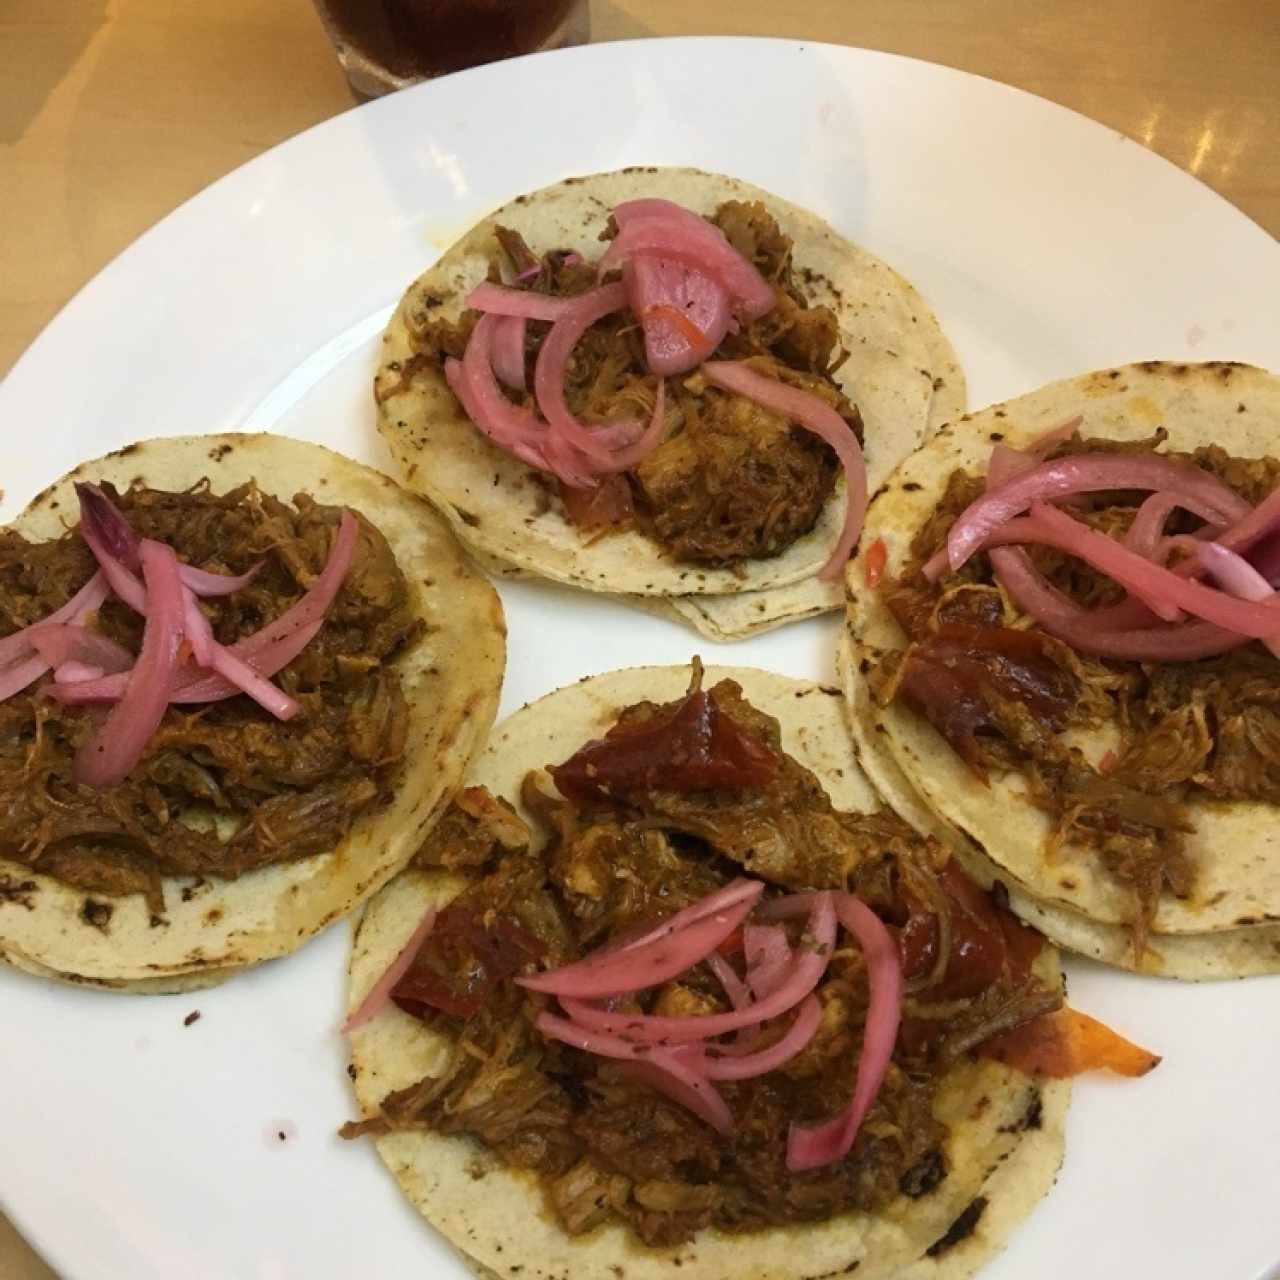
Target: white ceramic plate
(136, 1147)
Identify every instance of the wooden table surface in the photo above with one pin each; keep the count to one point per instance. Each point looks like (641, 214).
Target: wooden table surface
(115, 111)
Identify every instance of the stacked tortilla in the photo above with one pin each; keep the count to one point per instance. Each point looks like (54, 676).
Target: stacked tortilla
(901, 373)
(1230, 925)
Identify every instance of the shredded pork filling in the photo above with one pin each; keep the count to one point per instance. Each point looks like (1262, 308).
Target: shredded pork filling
(732, 481)
(223, 788)
(605, 1145)
(1003, 693)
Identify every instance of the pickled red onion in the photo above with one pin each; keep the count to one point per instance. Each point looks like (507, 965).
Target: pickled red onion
(266, 651)
(1082, 629)
(498, 300)
(809, 966)
(667, 1074)
(1195, 489)
(814, 414)
(508, 351)
(60, 642)
(108, 756)
(671, 231)
(826, 1143)
(73, 670)
(684, 312)
(747, 1066)
(673, 946)
(768, 957)
(20, 673)
(1059, 530)
(86, 600)
(1236, 575)
(380, 993)
(552, 364)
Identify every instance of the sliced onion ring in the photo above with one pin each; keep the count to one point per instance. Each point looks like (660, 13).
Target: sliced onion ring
(667, 950)
(811, 1148)
(1195, 489)
(732, 1066)
(113, 750)
(809, 967)
(379, 995)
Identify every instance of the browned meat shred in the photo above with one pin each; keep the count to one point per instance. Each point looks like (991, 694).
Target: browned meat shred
(607, 1147)
(278, 790)
(1207, 728)
(732, 481)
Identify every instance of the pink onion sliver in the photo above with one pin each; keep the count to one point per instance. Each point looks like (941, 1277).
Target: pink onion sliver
(734, 1066)
(1081, 628)
(73, 670)
(1259, 523)
(267, 650)
(1145, 538)
(672, 231)
(86, 600)
(659, 290)
(814, 414)
(380, 993)
(1195, 489)
(1235, 574)
(197, 630)
(59, 643)
(487, 407)
(768, 957)
(553, 363)
(235, 671)
(498, 300)
(665, 1073)
(206, 583)
(667, 950)
(108, 756)
(18, 675)
(827, 1143)
(508, 351)
(809, 967)
(739, 996)
(727, 976)
(1136, 574)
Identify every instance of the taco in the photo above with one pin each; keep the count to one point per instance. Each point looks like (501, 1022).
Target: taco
(1081, 704)
(242, 677)
(636, 863)
(680, 427)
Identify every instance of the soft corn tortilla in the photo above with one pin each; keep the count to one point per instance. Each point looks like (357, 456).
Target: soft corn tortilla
(451, 679)
(1233, 953)
(496, 1215)
(1236, 846)
(497, 507)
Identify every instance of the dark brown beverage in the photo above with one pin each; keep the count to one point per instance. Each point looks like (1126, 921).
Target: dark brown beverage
(410, 40)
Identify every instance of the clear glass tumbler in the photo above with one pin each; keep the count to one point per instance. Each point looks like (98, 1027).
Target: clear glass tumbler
(386, 44)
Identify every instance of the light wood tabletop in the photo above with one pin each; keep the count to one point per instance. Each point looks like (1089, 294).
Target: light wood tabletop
(115, 111)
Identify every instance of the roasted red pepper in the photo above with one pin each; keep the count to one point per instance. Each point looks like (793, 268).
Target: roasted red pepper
(461, 961)
(985, 939)
(694, 747)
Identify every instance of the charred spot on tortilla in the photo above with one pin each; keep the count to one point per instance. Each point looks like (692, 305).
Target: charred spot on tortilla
(961, 1229)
